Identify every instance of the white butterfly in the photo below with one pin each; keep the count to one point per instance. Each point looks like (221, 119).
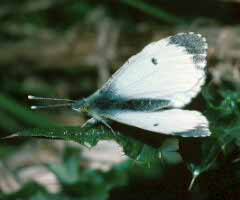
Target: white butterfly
(150, 89)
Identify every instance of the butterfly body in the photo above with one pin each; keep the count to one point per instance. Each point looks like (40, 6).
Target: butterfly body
(151, 88)
(102, 104)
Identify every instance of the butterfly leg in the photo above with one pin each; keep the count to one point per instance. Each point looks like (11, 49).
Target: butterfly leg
(96, 118)
(107, 125)
(105, 122)
(91, 122)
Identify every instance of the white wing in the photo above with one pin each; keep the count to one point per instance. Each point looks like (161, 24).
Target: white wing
(170, 69)
(184, 123)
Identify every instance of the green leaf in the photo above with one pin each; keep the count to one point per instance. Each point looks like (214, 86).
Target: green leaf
(212, 149)
(89, 137)
(222, 102)
(169, 152)
(223, 112)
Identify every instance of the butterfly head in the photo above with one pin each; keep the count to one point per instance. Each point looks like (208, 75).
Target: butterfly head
(80, 106)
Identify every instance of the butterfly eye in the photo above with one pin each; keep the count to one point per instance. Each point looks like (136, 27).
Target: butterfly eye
(154, 61)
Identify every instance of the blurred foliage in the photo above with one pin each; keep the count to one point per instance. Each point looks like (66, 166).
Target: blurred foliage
(18, 112)
(224, 114)
(154, 11)
(156, 167)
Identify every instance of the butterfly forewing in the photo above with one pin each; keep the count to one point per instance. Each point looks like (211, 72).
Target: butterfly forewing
(170, 69)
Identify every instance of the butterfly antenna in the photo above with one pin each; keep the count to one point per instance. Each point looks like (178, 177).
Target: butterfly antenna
(50, 99)
(51, 106)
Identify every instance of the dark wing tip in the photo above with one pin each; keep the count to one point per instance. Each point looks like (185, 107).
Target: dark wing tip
(194, 43)
(199, 131)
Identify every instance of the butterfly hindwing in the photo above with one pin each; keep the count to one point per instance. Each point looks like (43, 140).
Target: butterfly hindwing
(171, 69)
(177, 122)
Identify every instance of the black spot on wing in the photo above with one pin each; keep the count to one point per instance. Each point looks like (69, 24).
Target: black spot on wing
(193, 43)
(154, 61)
(199, 131)
(155, 124)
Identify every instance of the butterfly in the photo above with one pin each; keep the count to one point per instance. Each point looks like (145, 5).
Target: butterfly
(151, 88)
